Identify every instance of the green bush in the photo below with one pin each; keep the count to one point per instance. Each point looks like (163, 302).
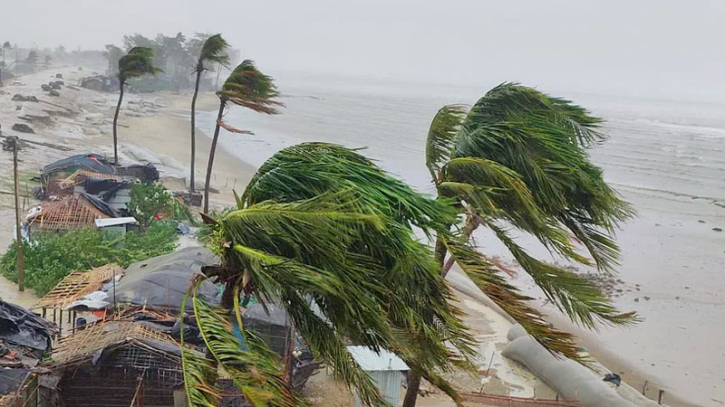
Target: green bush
(147, 200)
(53, 256)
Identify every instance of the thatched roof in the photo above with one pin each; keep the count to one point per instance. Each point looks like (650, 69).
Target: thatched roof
(76, 285)
(83, 345)
(73, 212)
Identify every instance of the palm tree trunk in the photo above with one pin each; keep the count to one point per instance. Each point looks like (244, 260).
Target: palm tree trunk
(411, 396)
(115, 125)
(222, 102)
(193, 129)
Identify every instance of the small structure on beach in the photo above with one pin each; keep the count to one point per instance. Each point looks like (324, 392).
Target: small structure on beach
(93, 174)
(72, 212)
(100, 83)
(72, 288)
(385, 368)
(117, 363)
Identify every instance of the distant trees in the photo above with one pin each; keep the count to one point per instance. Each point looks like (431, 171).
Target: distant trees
(113, 54)
(176, 55)
(32, 59)
(5, 49)
(246, 87)
(138, 62)
(212, 51)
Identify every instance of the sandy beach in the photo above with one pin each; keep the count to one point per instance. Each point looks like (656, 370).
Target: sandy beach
(159, 133)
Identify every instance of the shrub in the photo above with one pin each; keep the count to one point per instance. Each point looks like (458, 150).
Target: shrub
(53, 256)
(148, 200)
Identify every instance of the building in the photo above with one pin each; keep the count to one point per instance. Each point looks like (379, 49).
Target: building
(385, 368)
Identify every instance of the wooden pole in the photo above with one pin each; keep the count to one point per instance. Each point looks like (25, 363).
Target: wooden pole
(661, 397)
(18, 233)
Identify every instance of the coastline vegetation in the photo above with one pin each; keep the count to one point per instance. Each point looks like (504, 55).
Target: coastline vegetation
(52, 256)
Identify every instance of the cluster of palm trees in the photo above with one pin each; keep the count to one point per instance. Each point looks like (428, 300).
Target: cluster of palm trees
(330, 237)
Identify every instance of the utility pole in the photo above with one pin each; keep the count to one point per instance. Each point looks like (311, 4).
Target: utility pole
(18, 233)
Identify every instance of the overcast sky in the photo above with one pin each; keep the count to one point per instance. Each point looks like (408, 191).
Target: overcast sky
(655, 47)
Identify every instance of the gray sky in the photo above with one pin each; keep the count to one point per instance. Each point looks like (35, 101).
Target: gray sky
(654, 47)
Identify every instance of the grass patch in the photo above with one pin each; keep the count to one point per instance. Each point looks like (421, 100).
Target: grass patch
(53, 256)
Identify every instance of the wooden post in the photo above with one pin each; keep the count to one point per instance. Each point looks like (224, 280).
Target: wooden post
(18, 233)
(661, 397)
(644, 388)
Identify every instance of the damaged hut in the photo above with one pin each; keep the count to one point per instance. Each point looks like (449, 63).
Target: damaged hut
(117, 363)
(24, 339)
(72, 212)
(93, 174)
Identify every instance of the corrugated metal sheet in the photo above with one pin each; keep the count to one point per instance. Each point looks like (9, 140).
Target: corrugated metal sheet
(385, 368)
(369, 360)
(389, 382)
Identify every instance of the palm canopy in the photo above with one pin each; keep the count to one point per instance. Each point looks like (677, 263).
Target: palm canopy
(248, 87)
(518, 158)
(137, 62)
(214, 50)
(329, 235)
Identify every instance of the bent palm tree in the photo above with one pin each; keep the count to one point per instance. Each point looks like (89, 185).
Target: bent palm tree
(518, 159)
(137, 62)
(246, 86)
(329, 236)
(213, 50)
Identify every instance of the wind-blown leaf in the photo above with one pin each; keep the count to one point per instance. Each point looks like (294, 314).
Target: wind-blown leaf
(256, 370)
(137, 62)
(320, 224)
(214, 50)
(441, 136)
(247, 86)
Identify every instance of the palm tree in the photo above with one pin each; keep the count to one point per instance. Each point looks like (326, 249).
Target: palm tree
(246, 86)
(137, 62)
(329, 236)
(6, 47)
(517, 159)
(213, 51)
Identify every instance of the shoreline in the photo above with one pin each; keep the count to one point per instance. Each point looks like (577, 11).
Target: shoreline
(165, 136)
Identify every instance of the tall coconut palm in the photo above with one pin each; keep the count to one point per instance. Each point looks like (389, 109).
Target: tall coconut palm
(518, 160)
(137, 62)
(329, 236)
(213, 51)
(246, 86)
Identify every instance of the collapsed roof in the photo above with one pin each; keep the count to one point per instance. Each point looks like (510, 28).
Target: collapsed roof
(96, 163)
(19, 326)
(90, 162)
(24, 338)
(162, 282)
(72, 212)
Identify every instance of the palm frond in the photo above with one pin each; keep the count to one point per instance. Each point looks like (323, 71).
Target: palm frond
(247, 86)
(253, 367)
(320, 224)
(441, 137)
(489, 280)
(310, 169)
(544, 140)
(214, 50)
(578, 298)
(199, 373)
(137, 62)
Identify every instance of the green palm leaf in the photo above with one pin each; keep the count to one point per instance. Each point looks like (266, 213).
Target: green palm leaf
(137, 62)
(214, 50)
(247, 86)
(256, 370)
